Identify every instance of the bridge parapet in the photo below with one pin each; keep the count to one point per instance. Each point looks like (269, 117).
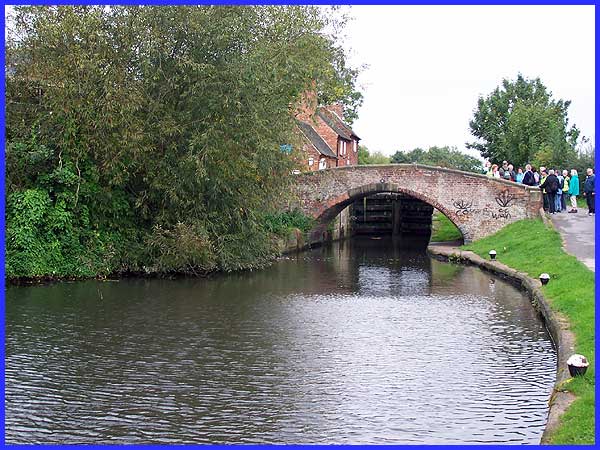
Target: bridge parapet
(476, 204)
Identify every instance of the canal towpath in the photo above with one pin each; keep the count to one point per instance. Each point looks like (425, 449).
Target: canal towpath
(578, 234)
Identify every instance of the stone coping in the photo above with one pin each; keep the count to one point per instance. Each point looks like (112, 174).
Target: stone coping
(424, 167)
(556, 323)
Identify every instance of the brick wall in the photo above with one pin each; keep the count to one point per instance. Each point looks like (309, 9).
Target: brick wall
(477, 205)
(328, 135)
(311, 152)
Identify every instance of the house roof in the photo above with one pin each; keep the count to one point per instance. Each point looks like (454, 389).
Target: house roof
(336, 123)
(316, 140)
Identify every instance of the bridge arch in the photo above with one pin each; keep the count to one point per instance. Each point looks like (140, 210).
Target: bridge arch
(342, 201)
(476, 204)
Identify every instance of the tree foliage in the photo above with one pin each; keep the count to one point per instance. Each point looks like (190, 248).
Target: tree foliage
(521, 122)
(160, 125)
(366, 157)
(439, 156)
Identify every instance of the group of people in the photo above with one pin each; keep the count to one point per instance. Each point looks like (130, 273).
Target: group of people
(557, 186)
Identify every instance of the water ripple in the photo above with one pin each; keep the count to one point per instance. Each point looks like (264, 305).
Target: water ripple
(347, 345)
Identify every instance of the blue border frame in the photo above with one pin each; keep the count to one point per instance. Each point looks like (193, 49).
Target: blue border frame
(2, 229)
(309, 2)
(234, 2)
(597, 251)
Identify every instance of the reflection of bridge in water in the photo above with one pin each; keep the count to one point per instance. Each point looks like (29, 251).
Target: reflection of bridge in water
(476, 204)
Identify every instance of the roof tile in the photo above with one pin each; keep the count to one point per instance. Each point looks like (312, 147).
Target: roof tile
(316, 140)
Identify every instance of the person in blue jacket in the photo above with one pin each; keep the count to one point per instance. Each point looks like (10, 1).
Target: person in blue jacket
(589, 191)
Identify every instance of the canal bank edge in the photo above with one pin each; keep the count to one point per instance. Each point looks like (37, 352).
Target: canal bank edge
(557, 325)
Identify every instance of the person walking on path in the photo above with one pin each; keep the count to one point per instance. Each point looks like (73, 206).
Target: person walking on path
(589, 191)
(565, 190)
(550, 185)
(574, 190)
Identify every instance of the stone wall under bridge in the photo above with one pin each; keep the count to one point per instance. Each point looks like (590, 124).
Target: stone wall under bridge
(476, 204)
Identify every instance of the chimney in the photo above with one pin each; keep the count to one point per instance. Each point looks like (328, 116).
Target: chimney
(308, 104)
(337, 108)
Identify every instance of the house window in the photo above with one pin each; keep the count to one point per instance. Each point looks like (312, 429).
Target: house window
(311, 161)
(322, 164)
(354, 145)
(342, 146)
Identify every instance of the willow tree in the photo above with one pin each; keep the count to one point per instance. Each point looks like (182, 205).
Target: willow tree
(166, 120)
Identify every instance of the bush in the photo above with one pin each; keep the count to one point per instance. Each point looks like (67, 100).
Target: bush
(45, 238)
(281, 223)
(184, 248)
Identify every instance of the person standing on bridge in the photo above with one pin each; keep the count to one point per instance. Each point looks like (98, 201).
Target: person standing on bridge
(487, 168)
(589, 191)
(494, 173)
(536, 176)
(528, 177)
(574, 190)
(520, 175)
(503, 170)
(511, 171)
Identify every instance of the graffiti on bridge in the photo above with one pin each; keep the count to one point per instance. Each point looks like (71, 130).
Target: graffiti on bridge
(504, 198)
(465, 209)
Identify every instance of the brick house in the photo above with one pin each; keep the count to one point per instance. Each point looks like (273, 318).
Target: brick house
(329, 142)
(318, 154)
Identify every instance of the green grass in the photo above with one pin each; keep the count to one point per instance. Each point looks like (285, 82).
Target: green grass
(442, 229)
(530, 247)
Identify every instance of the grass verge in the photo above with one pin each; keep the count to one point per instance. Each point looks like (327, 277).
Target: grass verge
(530, 247)
(442, 229)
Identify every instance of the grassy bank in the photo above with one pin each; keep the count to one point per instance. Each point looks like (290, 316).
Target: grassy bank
(442, 229)
(530, 247)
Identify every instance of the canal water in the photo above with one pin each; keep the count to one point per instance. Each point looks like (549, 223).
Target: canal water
(364, 342)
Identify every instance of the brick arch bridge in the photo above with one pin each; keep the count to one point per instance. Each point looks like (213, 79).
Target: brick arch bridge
(476, 204)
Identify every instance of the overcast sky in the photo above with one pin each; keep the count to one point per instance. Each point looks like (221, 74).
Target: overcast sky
(429, 64)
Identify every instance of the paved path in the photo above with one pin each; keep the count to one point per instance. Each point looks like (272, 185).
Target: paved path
(578, 231)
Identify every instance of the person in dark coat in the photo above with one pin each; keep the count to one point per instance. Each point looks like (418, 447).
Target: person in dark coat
(551, 185)
(528, 178)
(589, 191)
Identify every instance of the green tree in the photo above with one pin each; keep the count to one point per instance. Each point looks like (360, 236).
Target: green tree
(439, 156)
(162, 120)
(365, 157)
(520, 122)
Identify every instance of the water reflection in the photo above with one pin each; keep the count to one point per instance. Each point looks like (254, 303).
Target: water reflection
(367, 341)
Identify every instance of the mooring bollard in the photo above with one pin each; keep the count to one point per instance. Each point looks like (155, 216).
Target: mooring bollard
(492, 254)
(577, 364)
(544, 278)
